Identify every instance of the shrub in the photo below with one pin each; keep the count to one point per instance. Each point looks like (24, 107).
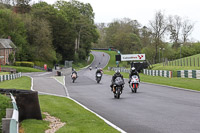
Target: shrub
(24, 63)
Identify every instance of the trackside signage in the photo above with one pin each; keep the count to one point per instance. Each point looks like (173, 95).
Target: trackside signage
(130, 57)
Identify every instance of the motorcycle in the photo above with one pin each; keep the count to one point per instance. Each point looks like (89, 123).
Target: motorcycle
(74, 76)
(118, 87)
(134, 84)
(90, 68)
(98, 77)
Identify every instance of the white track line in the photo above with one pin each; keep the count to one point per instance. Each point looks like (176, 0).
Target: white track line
(106, 121)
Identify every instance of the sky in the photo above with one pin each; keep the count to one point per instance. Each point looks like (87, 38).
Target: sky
(144, 10)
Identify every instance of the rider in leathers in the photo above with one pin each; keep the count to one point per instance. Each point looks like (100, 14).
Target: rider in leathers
(117, 74)
(133, 72)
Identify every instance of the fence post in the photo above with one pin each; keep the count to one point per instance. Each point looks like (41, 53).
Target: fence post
(187, 61)
(194, 61)
(190, 62)
(198, 61)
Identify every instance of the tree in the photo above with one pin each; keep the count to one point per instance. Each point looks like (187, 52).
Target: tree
(175, 24)
(158, 28)
(40, 39)
(186, 30)
(12, 25)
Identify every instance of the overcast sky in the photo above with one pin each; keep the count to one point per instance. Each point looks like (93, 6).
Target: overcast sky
(144, 10)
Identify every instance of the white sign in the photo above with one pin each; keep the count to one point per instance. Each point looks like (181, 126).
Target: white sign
(130, 57)
(1, 57)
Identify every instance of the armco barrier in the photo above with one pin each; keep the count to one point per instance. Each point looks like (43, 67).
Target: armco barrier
(10, 76)
(163, 73)
(189, 74)
(10, 124)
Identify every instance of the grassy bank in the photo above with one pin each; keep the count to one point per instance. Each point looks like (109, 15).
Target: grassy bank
(24, 69)
(19, 83)
(77, 119)
(193, 84)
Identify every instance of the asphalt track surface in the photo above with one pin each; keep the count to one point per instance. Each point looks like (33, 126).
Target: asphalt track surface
(154, 109)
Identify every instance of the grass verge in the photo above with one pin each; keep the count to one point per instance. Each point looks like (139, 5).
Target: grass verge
(24, 69)
(77, 119)
(19, 83)
(4, 73)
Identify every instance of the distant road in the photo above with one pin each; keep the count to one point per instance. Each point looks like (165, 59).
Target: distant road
(154, 109)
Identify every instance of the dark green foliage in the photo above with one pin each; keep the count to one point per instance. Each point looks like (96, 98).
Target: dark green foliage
(48, 33)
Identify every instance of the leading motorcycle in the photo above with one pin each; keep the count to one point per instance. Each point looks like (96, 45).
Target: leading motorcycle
(73, 76)
(134, 84)
(118, 87)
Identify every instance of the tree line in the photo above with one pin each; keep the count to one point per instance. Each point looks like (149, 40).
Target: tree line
(164, 37)
(48, 33)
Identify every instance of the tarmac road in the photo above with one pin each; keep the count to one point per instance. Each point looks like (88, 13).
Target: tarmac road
(154, 109)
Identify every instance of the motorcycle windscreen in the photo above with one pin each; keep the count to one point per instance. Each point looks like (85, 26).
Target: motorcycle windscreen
(119, 81)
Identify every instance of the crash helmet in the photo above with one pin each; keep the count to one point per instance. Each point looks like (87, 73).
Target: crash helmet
(117, 72)
(133, 69)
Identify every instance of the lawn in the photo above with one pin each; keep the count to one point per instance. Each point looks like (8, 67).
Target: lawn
(4, 73)
(77, 119)
(24, 69)
(19, 83)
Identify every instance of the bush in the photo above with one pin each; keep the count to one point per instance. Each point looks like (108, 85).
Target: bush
(24, 63)
(41, 64)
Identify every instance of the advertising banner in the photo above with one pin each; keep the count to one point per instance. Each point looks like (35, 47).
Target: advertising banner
(131, 57)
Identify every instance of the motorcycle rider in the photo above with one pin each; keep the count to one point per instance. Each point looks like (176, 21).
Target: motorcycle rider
(133, 71)
(117, 74)
(99, 70)
(74, 72)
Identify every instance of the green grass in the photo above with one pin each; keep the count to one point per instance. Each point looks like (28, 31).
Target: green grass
(34, 126)
(185, 66)
(4, 73)
(81, 64)
(193, 84)
(190, 61)
(5, 102)
(19, 83)
(77, 119)
(24, 69)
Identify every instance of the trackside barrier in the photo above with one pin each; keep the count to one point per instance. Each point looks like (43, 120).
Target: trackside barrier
(189, 74)
(10, 124)
(10, 76)
(162, 73)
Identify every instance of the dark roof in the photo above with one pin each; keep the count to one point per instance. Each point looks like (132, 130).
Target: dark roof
(7, 43)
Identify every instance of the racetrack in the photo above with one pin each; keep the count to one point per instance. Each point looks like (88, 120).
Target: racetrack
(154, 109)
